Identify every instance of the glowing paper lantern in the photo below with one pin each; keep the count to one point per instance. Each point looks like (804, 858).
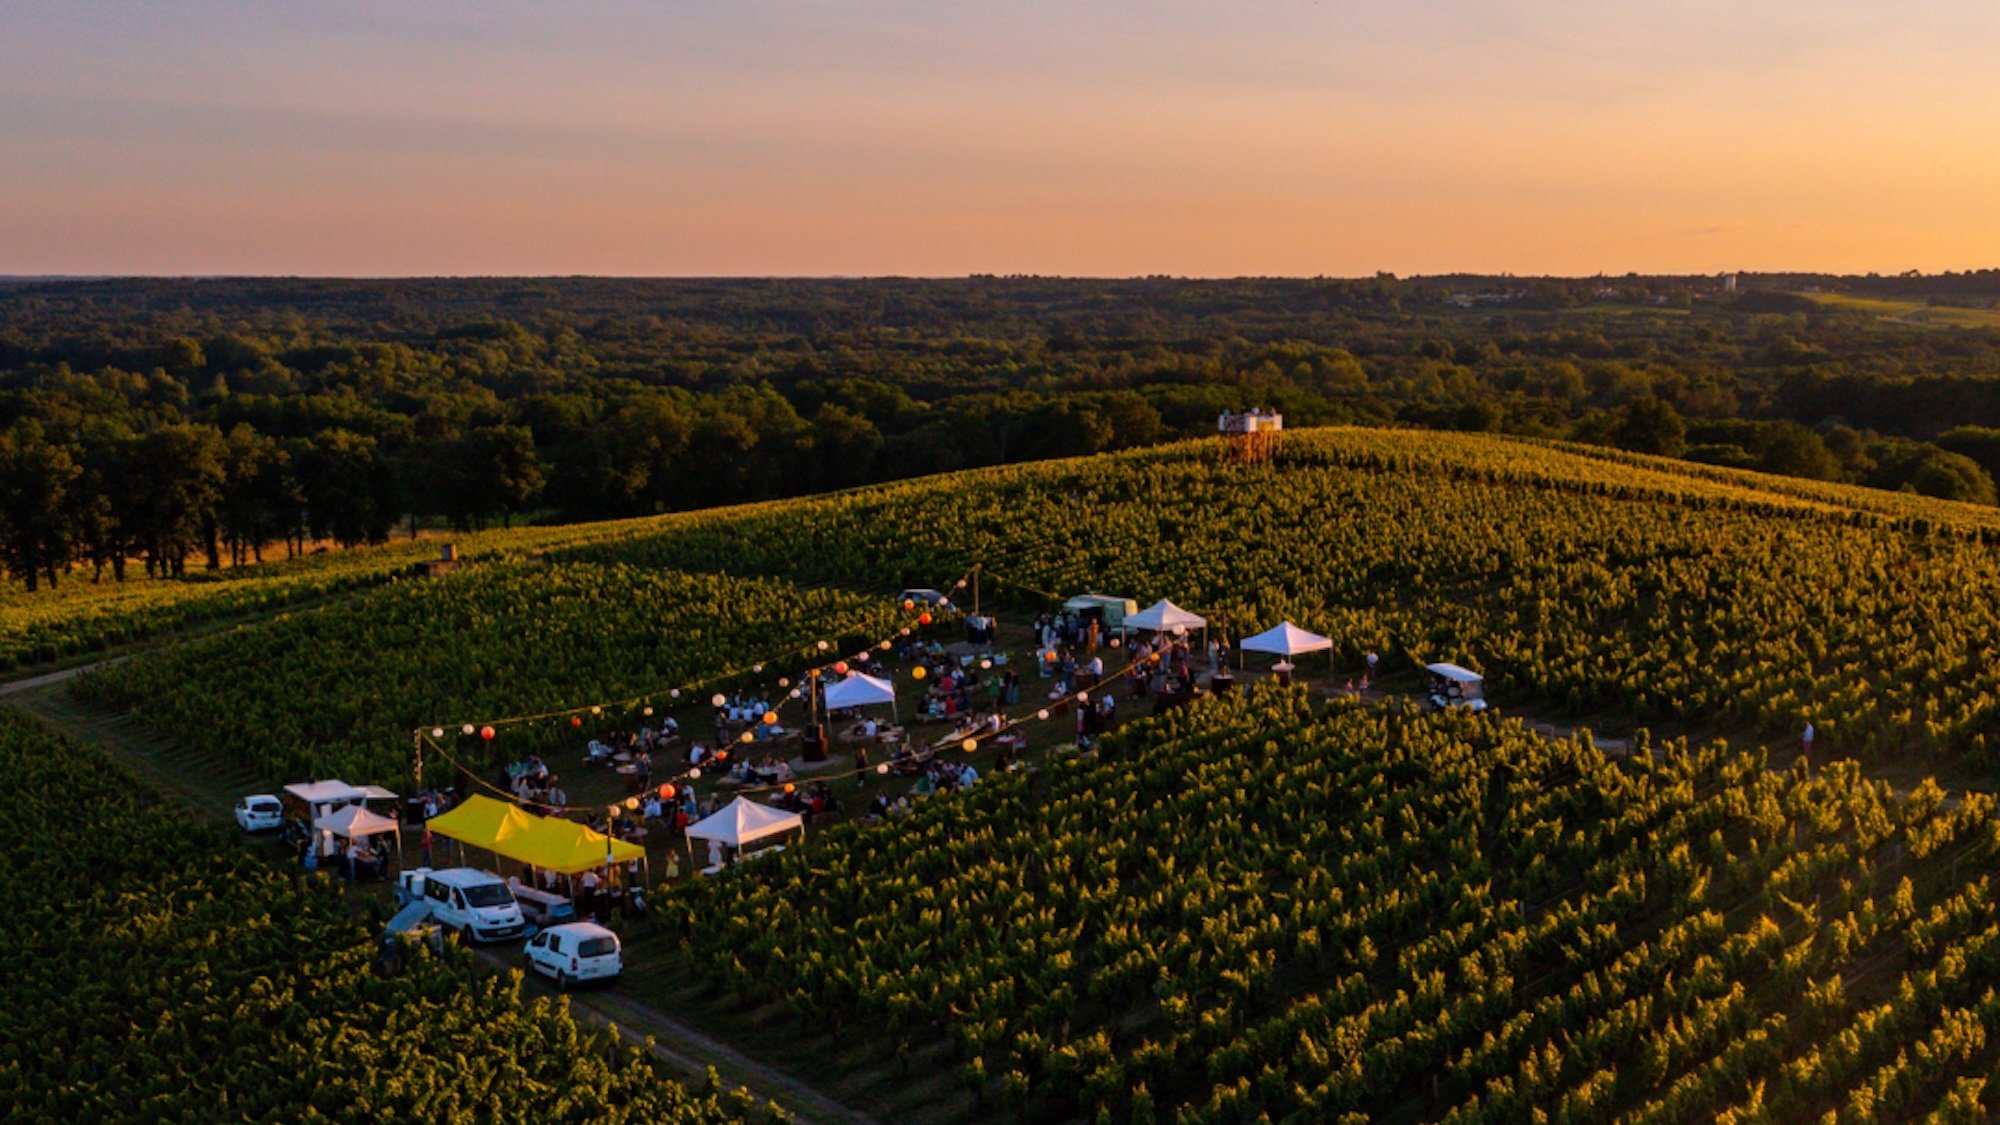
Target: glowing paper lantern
(437, 732)
(718, 699)
(666, 792)
(884, 646)
(840, 667)
(1051, 657)
(923, 618)
(784, 681)
(918, 672)
(958, 585)
(970, 745)
(468, 728)
(795, 693)
(720, 756)
(756, 667)
(648, 711)
(824, 645)
(694, 774)
(632, 802)
(789, 787)
(986, 664)
(747, 736)
(1083, 697)
(575, 721)
(909, 603)
(486, 733)
(596, 709)
(883, 768)
(676, 693)
(770, 718)
(612, 812)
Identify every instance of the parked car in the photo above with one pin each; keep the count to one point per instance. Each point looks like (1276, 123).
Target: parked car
(260, 812)
(476, 905)
(575, 951)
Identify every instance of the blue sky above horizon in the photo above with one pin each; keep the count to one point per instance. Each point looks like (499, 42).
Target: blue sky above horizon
(883, 136)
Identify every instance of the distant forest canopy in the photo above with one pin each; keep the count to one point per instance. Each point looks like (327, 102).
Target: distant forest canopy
(174, 419)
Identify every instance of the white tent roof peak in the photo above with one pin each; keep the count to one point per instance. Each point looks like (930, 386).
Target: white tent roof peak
(1286, 640)
(354, 822)
(859, 690)
(1164, 616)
(323, 792)
(743, 822)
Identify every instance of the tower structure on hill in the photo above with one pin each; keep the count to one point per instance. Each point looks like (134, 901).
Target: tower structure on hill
(1250, 436)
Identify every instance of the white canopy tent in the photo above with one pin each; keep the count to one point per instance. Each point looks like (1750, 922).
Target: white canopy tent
(355, 822)
(742, 822)
(862, 690)
(1164, 616)
(1288, 640)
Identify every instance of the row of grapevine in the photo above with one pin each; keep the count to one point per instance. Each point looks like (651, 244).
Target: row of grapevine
(336, 691)
(1577, 583)
(160, 972)
(1255, 909)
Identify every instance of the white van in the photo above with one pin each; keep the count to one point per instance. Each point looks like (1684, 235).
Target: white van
(476, 905)
(575, 952)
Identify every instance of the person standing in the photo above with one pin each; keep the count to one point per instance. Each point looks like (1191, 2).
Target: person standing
(1806, 744)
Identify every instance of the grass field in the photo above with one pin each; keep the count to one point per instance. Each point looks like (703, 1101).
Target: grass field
(1910, 312)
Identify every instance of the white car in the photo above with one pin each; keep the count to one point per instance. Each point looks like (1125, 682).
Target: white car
(259, 813)
(475, 905)
(575, 951)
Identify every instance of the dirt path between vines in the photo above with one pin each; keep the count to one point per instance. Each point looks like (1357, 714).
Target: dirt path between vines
(212, 788)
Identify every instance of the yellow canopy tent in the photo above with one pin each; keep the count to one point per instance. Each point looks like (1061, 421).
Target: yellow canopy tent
(561, 846)
(484, 823)
(568, 848)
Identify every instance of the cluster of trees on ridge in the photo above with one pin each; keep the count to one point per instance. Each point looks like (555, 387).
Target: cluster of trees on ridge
(169, 420)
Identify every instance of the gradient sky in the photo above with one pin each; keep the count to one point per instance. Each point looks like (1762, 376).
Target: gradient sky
(1099, 137)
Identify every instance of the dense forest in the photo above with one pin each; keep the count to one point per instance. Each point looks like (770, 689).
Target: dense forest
(203, 421)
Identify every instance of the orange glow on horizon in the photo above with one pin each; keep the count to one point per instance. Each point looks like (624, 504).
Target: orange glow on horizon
(1208, 140)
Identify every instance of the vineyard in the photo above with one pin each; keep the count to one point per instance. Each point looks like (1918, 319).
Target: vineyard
(1260, 910)
(336, 691)
(161, 972)
(81, 616)
(1262, 907)
(1579, 584)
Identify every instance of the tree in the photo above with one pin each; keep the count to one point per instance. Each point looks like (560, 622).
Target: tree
(349, 488)
(1795, 451)
(35, 479)
(174, 480)
(1651, 425)
(504, 469)
(1951, 476)
(260, 499)
(845, 446)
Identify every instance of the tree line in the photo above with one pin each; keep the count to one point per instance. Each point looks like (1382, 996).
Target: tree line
(163, 422)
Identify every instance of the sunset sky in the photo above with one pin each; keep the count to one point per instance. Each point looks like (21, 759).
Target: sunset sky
(1095, 137)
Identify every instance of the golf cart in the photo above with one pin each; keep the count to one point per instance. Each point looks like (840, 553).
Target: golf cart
(1453, 686)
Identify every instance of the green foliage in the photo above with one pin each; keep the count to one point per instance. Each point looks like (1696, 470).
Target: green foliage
(161, 972)
(1311, 914)
(1577, 581)
(336, 692)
